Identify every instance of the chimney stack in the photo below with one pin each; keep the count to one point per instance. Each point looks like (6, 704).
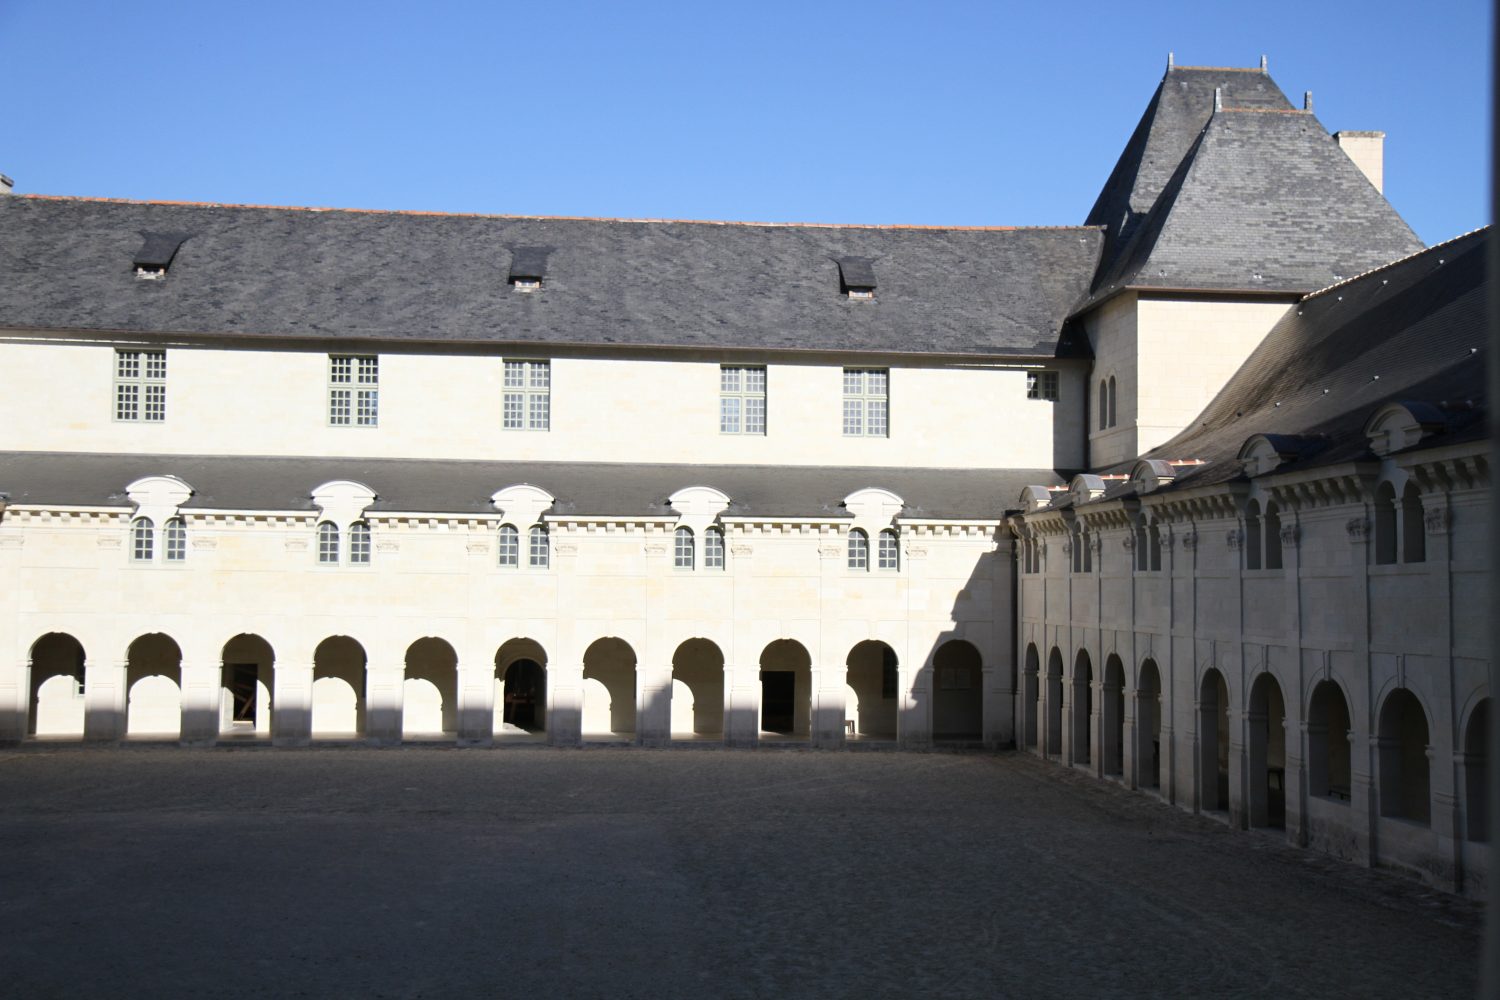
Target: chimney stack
(1367, 150)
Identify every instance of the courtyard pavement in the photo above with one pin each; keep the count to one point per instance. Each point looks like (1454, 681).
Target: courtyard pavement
(531, 872)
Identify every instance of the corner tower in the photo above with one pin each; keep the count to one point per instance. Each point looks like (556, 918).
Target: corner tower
(1226, 206)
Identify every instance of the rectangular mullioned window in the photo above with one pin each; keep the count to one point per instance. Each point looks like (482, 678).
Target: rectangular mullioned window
(141, 386)
(527, 404)
(1042, 385)
(867, 402)
(742, 399)
(353, 390)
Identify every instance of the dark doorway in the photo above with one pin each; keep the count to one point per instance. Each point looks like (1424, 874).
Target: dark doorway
(778, 700)
(524, 690)
(242, 683)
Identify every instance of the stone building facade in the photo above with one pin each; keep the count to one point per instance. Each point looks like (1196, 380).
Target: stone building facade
(294, 475)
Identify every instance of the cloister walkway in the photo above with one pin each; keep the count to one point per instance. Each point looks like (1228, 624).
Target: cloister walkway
(524, 870)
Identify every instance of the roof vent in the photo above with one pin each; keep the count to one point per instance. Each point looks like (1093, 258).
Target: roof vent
(528, 266)
(156, 254)
(857, 277)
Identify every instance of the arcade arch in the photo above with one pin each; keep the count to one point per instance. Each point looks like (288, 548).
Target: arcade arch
(246, 680)
(1213, 742)
(958, 692)
(1148, 725)
(698, 689)
(609, 687)
(1328, 736)
(1054, 703)
(1267, 750)
(1083, 708)
(153, 680)
(429, 689)
(1476, 773)
(1405, 772)
(57, 677)
(520, 687)
(338, 708)
(872, 682)
(786, 689)
(1030, 698)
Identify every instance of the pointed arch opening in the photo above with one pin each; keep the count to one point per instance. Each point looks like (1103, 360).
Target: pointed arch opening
(57, 679)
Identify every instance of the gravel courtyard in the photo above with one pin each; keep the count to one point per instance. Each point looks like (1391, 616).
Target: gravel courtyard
(535, 872)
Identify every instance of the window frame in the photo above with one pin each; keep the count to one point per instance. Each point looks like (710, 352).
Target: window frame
(857, 551)
(330, 546)
(888, 562)
(684, 549)
(715, 548)
(142, 540)
(744, 396)
(508, 555)
(361, 545)
(538, 556)
(147, 388)
(1044, 384)
(359, 386)
(866, 401)
(527, 393)
(174, 540)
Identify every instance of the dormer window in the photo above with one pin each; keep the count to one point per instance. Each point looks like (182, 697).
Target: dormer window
(528, 266)
(857, 277)
(156, 254)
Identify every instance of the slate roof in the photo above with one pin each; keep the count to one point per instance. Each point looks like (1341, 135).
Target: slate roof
(1414, 330)
(1254, 197)
(462, 487)
(394, 276)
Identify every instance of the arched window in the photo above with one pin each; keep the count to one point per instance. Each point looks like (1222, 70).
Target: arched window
(1141, 561)
(859, 549)
(682, 548)
(142, 539)
(359, 543)
(1385, 524)
(1112, 411)
(713, 548)
(510, 545)
(175, 531)
(1252, 535)
(328, 543)
(889, 556)
(1153, 541)
(1103, 404)
(1087, 541)
(1413, 540)
(539, 550)
(1273, 536)
(1077, 543)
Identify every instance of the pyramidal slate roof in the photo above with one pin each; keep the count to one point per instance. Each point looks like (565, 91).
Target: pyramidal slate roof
(1413, 331)
(1254, 196)
(400, 276)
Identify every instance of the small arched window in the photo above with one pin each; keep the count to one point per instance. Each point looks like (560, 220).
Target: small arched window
(510, 545)
(1077, 544)
(713, 548)
(1153, 536)
(1273, 536)
(1385, 524)
(1103, 404)
(682, 548)
(889, 555)
(1252, 535)
(1088, 551)
(1112, 412)
(1413, 540)
(359, 543)
(175, 531)
(328, 543)
(142, 539)
(1140, 545)
(539, 555)
(859, 549)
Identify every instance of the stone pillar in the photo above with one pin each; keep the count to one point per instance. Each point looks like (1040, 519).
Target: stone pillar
(15, 703)
(476, 704)
(653, 710)
(827, 723)
(742, 706)
(291, 704)
(383, 698)
(1248, 761)
(1364, 797)
(914, 716)
(998, 714)
(565, 704)
(1099, 714)
(201, 703)
(1066, 721)
(1294, 737)
(104, 704)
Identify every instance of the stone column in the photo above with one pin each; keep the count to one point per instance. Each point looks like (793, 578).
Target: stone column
(383, 699)
(104, 704)
(15, 703)
(742, 706)
(914, 716)
(1294, 780)
(653, 710)
(565, 704)
(1364, 795)
(476, 704)
(1098, 715)
(827, 722)
(291, 704)
(201, 703)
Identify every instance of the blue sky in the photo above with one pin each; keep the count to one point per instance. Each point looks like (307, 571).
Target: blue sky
(937, 113)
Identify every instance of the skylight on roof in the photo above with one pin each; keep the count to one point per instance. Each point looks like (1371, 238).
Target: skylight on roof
(528, 267)
(156, 254)
(857, 277)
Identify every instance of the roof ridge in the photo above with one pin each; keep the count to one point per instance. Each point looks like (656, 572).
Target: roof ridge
(1222, 69)
(551, 218)
(1267, 111)
(1390, 264)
